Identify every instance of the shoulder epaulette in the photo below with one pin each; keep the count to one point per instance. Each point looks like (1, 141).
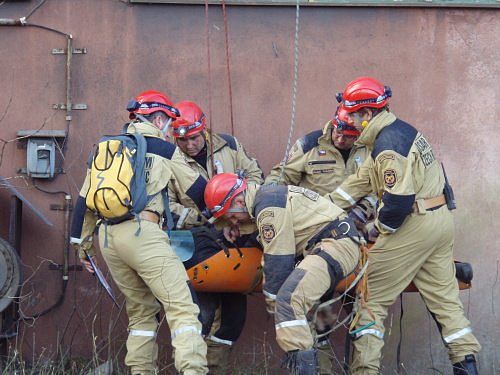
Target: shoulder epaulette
(270, 196)
(309, 141)
(160, 147)
(398, 137)
(230, 140)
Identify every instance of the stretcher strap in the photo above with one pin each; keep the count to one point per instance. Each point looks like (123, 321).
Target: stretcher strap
(362, 295)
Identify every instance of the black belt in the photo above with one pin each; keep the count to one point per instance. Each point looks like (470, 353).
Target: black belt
(337, 229)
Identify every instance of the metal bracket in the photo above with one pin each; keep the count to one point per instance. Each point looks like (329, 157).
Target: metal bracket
(64, 51)
(59, 207)
(74, 106)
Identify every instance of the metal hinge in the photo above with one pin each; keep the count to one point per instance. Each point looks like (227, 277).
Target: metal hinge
(64, 51)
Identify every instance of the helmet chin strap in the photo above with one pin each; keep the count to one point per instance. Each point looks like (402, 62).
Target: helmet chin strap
(166, 126)
(163, 129)
(143, 119)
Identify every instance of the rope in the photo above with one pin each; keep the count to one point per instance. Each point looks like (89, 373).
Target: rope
(228, 66)
(338, 298)
(209, 69)
(362, 293)
(294, 88)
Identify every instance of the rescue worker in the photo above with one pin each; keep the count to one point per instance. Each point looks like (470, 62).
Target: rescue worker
(138, 253)
(322, 160)
(223, 314)
(194, 145)
(415, 225)
(293, 222)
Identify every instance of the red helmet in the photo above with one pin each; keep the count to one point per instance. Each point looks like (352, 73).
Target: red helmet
(151, 101)
(343, 123)
(191, 121)
(364, 92)
(221, 190)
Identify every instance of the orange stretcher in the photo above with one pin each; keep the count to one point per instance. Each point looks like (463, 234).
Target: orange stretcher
(240, 271)
(231, 271)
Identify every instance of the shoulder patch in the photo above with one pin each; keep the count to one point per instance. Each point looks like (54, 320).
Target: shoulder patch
(264, 215)
(267, 232)
(270, 196)
(160, 147)
(398, 137)
(230, 140)
(309, 141)
(386, 157)
(390, 178)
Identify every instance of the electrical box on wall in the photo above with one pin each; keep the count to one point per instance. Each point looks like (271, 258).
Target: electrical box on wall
(41, 148)
(41, 158)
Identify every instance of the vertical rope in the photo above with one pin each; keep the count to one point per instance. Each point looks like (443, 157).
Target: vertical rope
(224, 13)
(294, 88)
(209, 74)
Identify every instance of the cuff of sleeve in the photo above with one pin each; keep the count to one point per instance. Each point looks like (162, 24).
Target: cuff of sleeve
(74, 240)
(384, 229)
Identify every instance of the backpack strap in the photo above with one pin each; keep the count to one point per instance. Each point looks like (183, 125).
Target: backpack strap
(168, 213)
(139, 179)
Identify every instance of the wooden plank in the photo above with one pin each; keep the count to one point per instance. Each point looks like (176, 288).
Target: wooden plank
(344, 3)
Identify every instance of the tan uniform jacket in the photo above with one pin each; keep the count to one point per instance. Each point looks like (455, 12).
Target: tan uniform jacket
(229, 157)
(161, 170)
(401, 169)
(315, 163)
(287, 217)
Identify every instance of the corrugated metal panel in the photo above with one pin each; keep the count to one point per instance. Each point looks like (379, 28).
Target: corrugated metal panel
(344, 3)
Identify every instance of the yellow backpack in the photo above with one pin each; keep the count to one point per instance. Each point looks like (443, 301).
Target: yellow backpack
(117, 190)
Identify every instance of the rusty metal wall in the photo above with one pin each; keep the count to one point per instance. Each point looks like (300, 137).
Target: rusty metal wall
(442, 64)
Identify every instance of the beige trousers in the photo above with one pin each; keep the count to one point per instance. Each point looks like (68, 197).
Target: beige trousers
(304, 288)
(146, 269)
(420, 251)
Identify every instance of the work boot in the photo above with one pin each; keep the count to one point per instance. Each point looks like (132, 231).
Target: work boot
(217, 357)
(466, 367)
(302, 362)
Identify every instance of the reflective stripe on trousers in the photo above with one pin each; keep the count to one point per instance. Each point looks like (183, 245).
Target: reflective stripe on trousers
(291, 323)
(184, 329)
(138, 332)
(457, 335)
(220, 341)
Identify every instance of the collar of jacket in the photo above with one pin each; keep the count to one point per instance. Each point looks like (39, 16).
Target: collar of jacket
(374, 127)
(219, 143)
(145, 128)
(250, 193)
(325, 140)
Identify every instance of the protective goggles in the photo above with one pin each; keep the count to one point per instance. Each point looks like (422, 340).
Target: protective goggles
(182, 130)
(387, 94)
(228, 196)
(133, 106)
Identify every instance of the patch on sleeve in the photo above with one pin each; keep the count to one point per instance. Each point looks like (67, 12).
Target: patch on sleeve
(265, 214)
(390, 178)
(312, 195)
(385, 157)
(267, 232)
